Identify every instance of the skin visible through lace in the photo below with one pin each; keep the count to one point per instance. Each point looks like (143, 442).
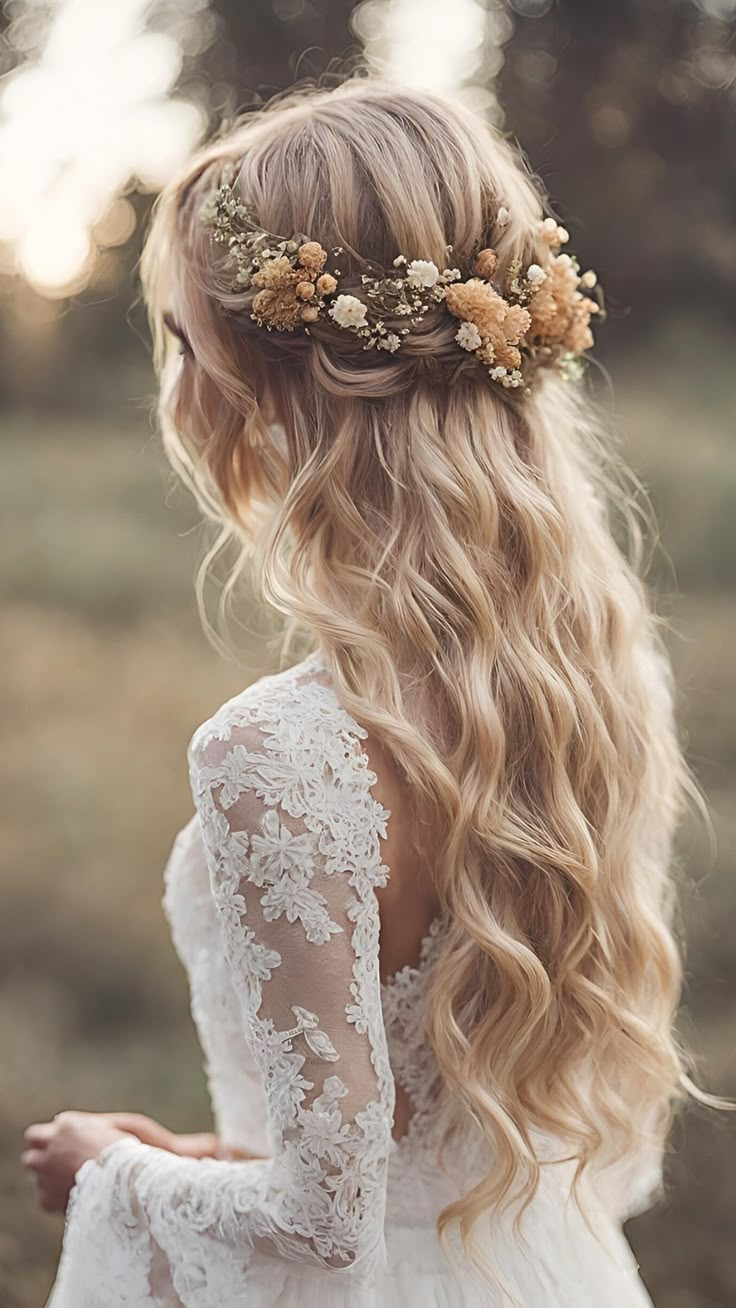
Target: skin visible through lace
(408, 903)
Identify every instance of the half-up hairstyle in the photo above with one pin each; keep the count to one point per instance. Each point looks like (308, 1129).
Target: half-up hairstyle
(449, 545)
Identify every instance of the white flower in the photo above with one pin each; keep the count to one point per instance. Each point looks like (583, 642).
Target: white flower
(468, 336)
(498, 373)
(550, 225)
(390, 342)
(589, 279)
(535, 274)
(503, 216)
(349, 311)
(422, 272)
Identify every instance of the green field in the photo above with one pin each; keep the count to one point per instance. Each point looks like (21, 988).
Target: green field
(105, 675)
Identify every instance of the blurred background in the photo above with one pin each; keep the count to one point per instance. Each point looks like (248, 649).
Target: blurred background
(627, 110)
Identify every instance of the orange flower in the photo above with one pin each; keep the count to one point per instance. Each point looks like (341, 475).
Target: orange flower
(560, 315)
(502, 326)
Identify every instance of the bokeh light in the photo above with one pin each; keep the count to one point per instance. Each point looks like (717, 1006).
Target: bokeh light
(87, 113)
(453, 48)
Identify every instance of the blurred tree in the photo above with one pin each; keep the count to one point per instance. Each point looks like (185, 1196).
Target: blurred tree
(628, 111)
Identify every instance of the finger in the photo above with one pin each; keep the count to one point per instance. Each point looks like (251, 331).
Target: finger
(33, 1158)
(132, 1122)
(39, 1133)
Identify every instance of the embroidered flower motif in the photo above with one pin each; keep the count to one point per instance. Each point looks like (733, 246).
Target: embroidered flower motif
(349, 311)
(422, 272)
(292, 750)
(324, 1134)
(230, 773)
(277, 852)
(285, 863)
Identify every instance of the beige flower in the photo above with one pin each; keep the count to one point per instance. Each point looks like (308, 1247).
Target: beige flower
(277, 308)
(305, 290)
(553, 234)
(312, 257)
(486, 263)
(275, 274)
(310, 313)
(326, 284)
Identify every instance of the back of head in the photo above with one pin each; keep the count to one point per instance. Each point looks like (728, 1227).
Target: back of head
(447, 540)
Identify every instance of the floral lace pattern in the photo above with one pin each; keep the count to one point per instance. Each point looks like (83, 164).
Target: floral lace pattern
(291, 833)
(308, 821)
(413, 1064)
(271, 895)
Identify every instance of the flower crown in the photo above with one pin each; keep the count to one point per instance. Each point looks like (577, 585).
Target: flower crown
(539, 315)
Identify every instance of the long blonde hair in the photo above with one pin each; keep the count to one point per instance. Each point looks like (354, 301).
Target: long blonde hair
(451, 547)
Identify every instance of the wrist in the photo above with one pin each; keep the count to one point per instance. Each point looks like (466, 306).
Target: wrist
(202, 1144)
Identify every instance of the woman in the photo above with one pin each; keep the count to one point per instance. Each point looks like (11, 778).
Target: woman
(425, 897)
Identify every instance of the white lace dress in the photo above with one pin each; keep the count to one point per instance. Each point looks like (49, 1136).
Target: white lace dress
(270, 891)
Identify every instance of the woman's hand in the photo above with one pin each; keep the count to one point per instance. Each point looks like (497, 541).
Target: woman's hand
(56, 1151)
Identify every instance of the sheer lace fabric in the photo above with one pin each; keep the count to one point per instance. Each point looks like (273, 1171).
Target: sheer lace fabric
(270, 892)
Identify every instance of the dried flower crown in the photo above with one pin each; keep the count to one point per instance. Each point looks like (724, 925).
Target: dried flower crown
(539, 315)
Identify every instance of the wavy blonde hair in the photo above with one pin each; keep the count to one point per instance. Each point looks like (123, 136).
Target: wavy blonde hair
(451, 547)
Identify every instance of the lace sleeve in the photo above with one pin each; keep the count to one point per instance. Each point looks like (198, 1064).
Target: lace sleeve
(233, 1079)
(292, 836)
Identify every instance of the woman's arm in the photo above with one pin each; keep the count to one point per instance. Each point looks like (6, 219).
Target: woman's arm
(56, 1150)
(294, 859)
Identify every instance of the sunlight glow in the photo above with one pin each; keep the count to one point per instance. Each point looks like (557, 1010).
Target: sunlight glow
(452, 46)
(86, 116)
